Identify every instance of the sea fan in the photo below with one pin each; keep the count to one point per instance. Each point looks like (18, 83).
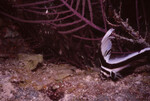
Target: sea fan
(71, 15)
(78, 24)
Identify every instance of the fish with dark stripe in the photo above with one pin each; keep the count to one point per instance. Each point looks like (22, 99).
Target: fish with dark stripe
(111, 67)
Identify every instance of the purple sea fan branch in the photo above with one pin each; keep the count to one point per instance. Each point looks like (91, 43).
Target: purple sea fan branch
(25, 21)
(71, 3)
(77, 5)
(63, 18)
(66, 10)
(68, 24)
(72, 30)
(43, 13)
(103, 13)
(33, 4)
(51, 7)
(88, 39)
(90, 10)
(83, 7)
(83, 18)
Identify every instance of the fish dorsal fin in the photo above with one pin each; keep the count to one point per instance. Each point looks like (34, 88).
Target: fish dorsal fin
(106, 45)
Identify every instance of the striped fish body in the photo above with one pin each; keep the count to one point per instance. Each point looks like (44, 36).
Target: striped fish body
(111, 68)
